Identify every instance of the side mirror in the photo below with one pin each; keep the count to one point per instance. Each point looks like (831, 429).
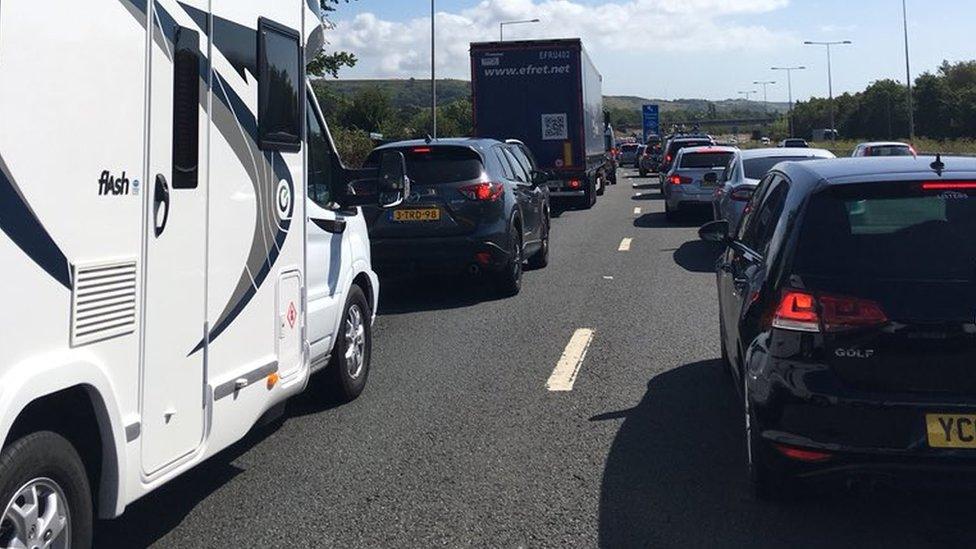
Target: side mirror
(394, 185)
(540, 177)
(716, 231)
(386, 186)
(711, 178)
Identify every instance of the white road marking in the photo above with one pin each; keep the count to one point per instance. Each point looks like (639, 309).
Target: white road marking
(625, 245)
(607, 278)
(564, 374)
(637, 211)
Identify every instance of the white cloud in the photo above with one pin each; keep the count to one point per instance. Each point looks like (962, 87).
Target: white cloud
(402, 48)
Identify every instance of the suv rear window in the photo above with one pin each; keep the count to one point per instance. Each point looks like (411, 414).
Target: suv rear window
(705, 160)
(629, 148)
(438, 165)
(892, 233)
(678, 145)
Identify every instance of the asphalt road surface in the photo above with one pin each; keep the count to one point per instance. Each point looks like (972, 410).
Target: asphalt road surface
(458, 442)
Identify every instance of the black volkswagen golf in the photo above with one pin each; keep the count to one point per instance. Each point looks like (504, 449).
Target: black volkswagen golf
(848, 319)
(476, 205)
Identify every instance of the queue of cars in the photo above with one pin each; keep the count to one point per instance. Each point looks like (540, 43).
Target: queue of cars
(847, 299)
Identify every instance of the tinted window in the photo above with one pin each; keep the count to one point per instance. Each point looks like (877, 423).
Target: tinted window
(629, 148)
(675, 147)
(757, 168)
(898, 233)
(763, 214)
(321, 165)
(705, 160)
(517, 169)
(437, 165)
(186, 109)
(523, 160)
(503, 162)
(280, 77)
(888, 150)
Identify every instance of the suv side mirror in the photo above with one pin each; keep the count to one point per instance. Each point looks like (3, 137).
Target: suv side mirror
(716, 231)
(540, 177)
(386, 186)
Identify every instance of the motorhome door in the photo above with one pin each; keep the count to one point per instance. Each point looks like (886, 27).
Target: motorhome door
(176, 199)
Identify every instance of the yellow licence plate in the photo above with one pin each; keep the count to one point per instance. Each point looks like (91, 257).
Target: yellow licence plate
(417, 214)
(951, 430)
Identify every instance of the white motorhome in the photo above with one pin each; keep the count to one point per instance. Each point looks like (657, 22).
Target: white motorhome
(180, 245)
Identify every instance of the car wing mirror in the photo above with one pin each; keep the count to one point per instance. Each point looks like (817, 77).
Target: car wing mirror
(540, 177)
(716, 231)
(386, 186)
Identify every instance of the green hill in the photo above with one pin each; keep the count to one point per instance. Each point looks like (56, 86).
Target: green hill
(414, 93)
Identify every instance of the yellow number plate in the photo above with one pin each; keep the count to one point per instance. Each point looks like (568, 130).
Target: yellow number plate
(951, 430)
(418, 214)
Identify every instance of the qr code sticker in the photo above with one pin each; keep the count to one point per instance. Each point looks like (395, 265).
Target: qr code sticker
(554, 127)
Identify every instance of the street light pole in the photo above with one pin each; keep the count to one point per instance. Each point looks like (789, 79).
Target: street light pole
(765, 83)
(501, 26)
(830, 78)
(747, 93)
(433, 72)
(789, 87)
(908, 76)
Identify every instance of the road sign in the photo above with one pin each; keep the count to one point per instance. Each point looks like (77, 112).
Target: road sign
(652, 121)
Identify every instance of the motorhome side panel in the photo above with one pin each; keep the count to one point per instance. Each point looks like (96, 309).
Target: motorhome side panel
(532, 92)
(257, 210)
(72, 191)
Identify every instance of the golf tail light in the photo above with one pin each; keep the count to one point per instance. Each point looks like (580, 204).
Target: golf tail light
(679, 180)
(483, 192)
(800, 454)
(797, 311)
(804, 312)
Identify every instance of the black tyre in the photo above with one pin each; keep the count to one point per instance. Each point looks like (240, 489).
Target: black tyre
(669, 213)
(600, 185)
(508, 281)
(643, 173)
(45, 492)
(588, 199)
(349, 366)
(540, 259)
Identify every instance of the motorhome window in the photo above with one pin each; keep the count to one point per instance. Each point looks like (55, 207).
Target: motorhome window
(186, 109)
(280, 77)
(321, 168)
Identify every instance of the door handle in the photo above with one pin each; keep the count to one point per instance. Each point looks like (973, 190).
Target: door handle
(334, 226)
(160, 199)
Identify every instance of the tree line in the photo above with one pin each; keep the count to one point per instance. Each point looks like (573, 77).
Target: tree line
(944, 106)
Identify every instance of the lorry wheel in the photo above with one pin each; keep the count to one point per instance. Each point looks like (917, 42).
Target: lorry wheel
(600, 186)
(508, 280)
(44, 487)
(350, 359)
(540, 260)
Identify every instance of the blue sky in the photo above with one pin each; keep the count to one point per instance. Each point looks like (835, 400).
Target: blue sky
(672, 48)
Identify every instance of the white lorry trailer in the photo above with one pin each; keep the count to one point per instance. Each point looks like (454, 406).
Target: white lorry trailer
(181, 246)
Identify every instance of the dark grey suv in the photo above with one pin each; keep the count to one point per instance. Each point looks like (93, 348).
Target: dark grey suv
(476, 205)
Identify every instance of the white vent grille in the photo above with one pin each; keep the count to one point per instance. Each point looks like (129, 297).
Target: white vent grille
(103, 302)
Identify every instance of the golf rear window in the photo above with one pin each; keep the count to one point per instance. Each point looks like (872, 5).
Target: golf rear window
(437, 165)
(705, 160)
(899, 232)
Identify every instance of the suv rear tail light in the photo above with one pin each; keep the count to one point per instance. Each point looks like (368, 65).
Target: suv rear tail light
(805, 312)
(483, 192)
(575, 184)
(741, 195)
(679, 180)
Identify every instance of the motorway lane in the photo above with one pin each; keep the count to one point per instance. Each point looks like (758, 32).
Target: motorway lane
(457, 442)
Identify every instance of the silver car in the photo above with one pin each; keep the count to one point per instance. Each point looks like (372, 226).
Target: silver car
(743, 173)
(884, 148)
(693, 177)
(628, 154)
